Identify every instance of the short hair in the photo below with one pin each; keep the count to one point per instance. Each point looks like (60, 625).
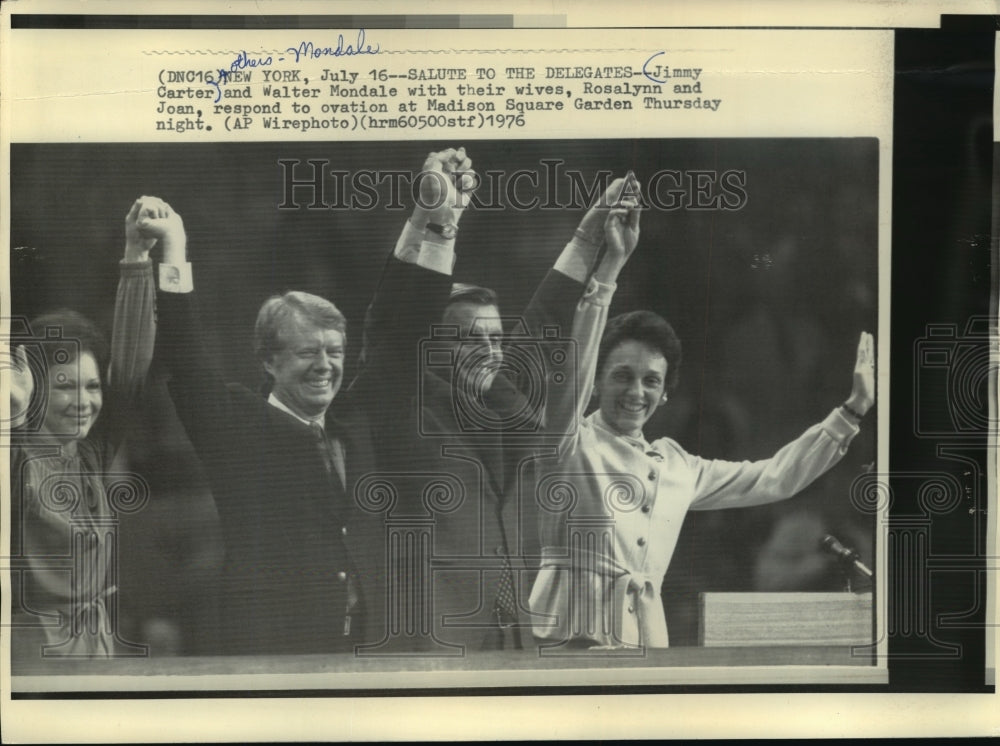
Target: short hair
(462, 292)
(294, 304)
(67, 335)
(650, 329)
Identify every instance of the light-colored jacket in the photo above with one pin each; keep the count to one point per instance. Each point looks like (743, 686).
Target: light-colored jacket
(611, 512)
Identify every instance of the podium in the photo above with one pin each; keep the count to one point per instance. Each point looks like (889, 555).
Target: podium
(752, 619)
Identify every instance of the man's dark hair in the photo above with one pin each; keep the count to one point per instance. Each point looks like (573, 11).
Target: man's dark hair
(650, 329)
(462, 292)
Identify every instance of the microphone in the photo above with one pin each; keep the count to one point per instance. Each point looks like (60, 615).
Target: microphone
(830, 545)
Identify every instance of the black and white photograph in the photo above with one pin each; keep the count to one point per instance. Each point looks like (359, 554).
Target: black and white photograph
(344, 366)
(518, 443)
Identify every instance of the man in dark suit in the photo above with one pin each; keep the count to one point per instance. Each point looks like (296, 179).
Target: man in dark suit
(459, 458)
(304, 567)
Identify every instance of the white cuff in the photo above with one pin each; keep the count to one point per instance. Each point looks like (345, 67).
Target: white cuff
(176, 278)
(840, 427)
(599, 293)
(437, 256)
(576, 259)
(408, 245)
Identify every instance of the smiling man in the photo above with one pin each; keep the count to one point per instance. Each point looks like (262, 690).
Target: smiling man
(300, 339)
(461, 433)
(304, 565)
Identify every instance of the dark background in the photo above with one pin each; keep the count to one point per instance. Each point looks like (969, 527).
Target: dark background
(768, 301)
(944, 283)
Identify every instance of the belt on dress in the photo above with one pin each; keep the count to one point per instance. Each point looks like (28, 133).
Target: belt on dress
(637, 593)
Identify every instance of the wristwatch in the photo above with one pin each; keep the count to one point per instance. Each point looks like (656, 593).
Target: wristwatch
(448, 230)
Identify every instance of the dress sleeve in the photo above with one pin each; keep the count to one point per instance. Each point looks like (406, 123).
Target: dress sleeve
(731, 484)
(565, 405)
(132, 338)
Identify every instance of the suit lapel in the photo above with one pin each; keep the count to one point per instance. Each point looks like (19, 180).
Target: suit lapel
(487, 448)
(288, 429)
(337, 427)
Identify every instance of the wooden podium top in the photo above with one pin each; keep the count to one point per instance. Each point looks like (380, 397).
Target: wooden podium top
(741, 619)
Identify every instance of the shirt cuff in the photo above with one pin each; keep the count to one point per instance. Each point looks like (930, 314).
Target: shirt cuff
(176, 278)
(408, 245)
(575, 260)
(438, 256)
(598, 293)
(840, 427)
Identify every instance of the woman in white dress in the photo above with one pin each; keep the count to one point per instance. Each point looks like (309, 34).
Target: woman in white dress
(612, 513)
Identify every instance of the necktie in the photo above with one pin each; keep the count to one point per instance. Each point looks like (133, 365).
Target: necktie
(330, 451)
(505, 605)
(333, 460)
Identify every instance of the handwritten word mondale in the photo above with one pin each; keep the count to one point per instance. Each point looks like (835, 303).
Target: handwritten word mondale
(305, 50)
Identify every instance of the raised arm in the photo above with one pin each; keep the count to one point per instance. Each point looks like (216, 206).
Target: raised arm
(863, 385)
(134, 329)
(724, 484)
(578, 260)
(621, 230)
(132, 334)
(446, 182)
(554, 301)
(413, 289)
(196, 386)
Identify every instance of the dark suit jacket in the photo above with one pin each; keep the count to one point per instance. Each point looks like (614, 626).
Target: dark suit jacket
(292, 534)
(472, 491)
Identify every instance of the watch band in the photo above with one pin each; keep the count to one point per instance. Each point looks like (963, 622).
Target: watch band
(851, 411)
(448, 230)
